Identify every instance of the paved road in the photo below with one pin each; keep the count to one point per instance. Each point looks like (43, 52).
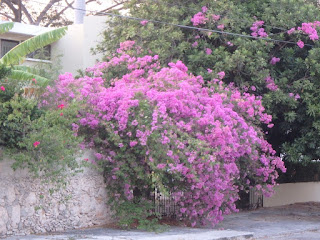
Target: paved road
(174, 233)
(292, 222)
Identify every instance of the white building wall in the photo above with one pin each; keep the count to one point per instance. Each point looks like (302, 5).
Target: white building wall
(290, 193)
(68, 50)
(75, 47)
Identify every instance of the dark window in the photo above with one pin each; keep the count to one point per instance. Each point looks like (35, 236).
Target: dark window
(7, 45)
(43, 53)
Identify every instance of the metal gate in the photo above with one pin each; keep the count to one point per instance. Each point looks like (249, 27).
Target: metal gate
(164, 204)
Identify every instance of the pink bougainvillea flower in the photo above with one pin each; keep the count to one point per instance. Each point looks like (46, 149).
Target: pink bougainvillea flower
(183, 210)
(161, 166)
(271, 84)
(194, 44)
(300, 44)
(144, 22)
(215, 17)
(209, 70)
(208, 51)
(133, 143)
(221, 26)
(134, 123)
(2, 88)
(61, 106)
(221, 75)
(199, 19)
(230, 44)
(35, 144)
(274, 60)
(297, 96)
(204, 9)
(258, 30)
(292, 30)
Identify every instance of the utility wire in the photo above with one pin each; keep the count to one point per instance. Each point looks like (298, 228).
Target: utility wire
(188, 27)
(201, 29)
(179, 5)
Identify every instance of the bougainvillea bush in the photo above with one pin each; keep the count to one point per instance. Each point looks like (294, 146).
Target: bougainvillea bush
(160, 127)
(284, 71)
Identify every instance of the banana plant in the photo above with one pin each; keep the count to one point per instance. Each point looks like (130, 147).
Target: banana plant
(17, 54)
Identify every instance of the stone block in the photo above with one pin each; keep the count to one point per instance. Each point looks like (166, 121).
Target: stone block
(4, 218)
(15, 219)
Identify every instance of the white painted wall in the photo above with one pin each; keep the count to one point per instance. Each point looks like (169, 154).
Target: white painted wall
(70, 49)
(93, 34)
(75, 47)
(290, 193)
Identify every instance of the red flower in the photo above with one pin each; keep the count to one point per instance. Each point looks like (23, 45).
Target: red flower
(2, 88)
(61, 106)
(34, 80)
(61, 114)
(35, 144)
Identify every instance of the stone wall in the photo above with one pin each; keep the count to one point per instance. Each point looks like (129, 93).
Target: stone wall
(26, 205)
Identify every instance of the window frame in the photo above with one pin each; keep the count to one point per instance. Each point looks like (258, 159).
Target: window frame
(6, 40)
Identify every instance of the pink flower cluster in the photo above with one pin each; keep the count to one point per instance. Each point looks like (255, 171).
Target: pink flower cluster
(144, 22)
(199, 19)
(310, 30)
(270, 84)
(274, 60)
(295, 96)
(300, 44)
(204, 138)
(202, 18)
(258, 30)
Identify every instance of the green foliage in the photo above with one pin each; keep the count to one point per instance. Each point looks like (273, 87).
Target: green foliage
(56, 152)
(22, 124)
(138, 214)
(40, 139)
(246, 62)
(19, 52)
(16, 116)
(4, 72)
(299, 172)
(5, 27)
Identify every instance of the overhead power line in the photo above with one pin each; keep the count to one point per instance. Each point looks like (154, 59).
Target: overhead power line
(201, 29)
(185, 26)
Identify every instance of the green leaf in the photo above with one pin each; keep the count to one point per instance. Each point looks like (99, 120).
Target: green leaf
(5, 27)
(26, 76)
(16, 54)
